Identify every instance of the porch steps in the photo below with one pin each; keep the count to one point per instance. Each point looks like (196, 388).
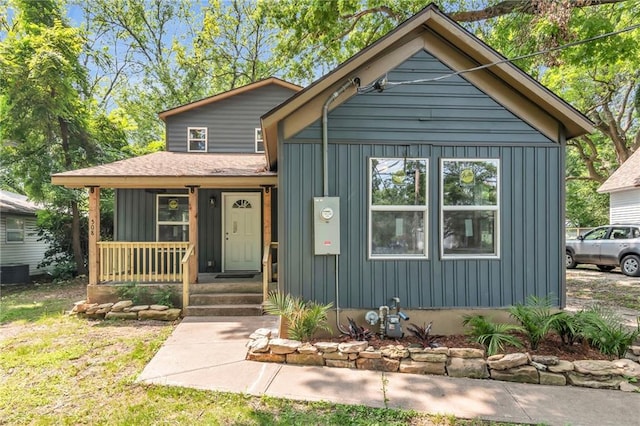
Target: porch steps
(225, 298)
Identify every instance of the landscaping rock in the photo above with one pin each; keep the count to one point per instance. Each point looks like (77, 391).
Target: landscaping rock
(635, 350)
(327, 347)
(438, 350)
(596, 368)
(545, 359)
(632, 357)
(417, 367)
(261, 332)
(335, 356)
(138, 308)
(283, 346)
(352, 347)
(380, 364)
(260, 344)
(561, 367)
(552, 379)
(595, 382)
(428, 357)
(340, 363)
(168, 315)
(370, 354)
(307, 348)
(522, 374)
(473, 368)
(121, 315)
(265, 357)
(121, 305)
(159, 307)
(508, 361)
(105, 306)
(394, 351)
(466, 353)
(305, 359)
(629, 387)
(628, 367)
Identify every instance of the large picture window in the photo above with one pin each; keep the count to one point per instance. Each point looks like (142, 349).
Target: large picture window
(197, 139)
(398, 208)
(470, 207)
(173, 218)
(15, 230)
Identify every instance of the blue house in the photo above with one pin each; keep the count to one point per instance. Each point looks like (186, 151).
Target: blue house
(425, 168)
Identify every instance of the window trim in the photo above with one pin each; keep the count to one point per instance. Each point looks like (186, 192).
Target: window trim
(206, 139)
(22, 231)
(258, 140)
(496, 208)
(423, 208)
(166, 222)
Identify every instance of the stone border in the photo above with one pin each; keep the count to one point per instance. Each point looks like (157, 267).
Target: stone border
(125, 309)
(453, 362)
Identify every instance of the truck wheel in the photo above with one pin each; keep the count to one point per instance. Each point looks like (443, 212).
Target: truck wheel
(570, 262)
(630, 265)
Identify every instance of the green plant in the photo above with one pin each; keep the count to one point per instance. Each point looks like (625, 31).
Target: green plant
(357, 332)
(493, 336)
(605, 332)
(423, 334)
(535, 317)
(304, 318)
(134, 292)
(568, 326)
(164, 296)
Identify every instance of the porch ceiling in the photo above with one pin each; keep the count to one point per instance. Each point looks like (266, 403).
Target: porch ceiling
(174, 170)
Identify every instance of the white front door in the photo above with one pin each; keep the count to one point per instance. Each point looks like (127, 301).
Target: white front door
(241, 231)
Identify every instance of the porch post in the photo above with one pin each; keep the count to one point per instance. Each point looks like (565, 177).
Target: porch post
(266, 210)
(94, 234)
(193, 233)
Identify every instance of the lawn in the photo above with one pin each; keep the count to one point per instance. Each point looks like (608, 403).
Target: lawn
(60, 369)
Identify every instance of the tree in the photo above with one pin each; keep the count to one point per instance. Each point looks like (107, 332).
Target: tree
(48, 119)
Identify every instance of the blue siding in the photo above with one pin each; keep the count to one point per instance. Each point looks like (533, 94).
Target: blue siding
(531, 173)
(231, 122)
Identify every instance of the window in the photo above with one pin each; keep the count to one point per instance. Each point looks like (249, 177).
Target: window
(173, 218)
(15, 230)
(259, 141)
(597, 234)
(398, 208)
(470, 208)
(197, 139)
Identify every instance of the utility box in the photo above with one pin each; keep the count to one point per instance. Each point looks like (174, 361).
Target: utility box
(326, 225)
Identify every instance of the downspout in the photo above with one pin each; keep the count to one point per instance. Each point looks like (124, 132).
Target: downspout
(325, 170)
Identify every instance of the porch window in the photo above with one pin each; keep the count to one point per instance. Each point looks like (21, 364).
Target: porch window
(259, 140)
(172, 217)
(470, 200)
(398, 208)
(15, 230)
(197, 139)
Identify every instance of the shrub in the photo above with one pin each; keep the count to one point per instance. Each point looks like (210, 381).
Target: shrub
(357, 332)
(423, 334)
(134, 292)
(535, 317)
(304, 318)
(164, 296)
(604, 331)
(493, 336)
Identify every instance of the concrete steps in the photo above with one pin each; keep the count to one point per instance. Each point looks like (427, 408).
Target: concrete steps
(225, 298)
(223, 310)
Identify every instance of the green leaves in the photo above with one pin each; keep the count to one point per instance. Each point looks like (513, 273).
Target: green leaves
(493, 336)
(304, 318)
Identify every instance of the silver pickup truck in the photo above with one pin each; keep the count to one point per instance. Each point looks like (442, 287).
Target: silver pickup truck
(607, 247)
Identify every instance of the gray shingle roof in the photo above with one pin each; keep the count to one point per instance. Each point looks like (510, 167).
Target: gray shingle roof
(16, 204)
(626, 177)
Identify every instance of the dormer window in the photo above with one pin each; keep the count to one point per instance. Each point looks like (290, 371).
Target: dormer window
(259, 140)
(197, 139)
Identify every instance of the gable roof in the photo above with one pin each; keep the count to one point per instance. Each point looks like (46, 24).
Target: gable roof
(626, 177)
(167, 169)
(432, 30)
(225, 95)
(17, 204)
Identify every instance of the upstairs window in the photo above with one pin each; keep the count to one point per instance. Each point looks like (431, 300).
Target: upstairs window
(470, 208)
(259, 141)
(173, 217)
(15, 230)
(197, 139)
(398, 208)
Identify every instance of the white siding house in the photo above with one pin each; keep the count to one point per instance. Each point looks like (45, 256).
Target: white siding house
(624, 189)
(19, 243)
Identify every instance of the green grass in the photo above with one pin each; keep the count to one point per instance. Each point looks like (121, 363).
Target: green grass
(57, 369)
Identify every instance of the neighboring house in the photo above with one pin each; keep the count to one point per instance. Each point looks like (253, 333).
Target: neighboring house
(623, 187)
(20, 250)
(443, 192)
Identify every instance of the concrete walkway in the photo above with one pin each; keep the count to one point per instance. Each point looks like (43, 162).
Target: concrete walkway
(208, 353)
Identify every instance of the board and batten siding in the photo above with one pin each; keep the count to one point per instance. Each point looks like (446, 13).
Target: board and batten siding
(230, 122)
(624, 206)
(462, 123)
(30, 251)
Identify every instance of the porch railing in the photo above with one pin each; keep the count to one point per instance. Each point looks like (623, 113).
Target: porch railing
(185, 275)
(141, 261)
(267, 267)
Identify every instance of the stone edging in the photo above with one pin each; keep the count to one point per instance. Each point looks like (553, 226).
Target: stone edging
(125, 309)
(453, 362)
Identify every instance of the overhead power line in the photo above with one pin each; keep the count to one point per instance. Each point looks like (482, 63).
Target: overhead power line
(383, 83)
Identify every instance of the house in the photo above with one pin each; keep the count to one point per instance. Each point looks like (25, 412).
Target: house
(426, 171)
(20, 250)
(623, 187)
(209, 196)
(418, 170)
